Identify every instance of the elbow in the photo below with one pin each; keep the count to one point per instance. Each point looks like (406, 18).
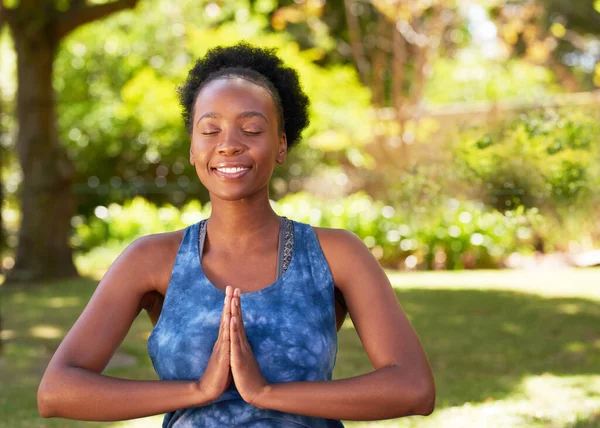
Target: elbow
(43, 404)
(417, 396)
(45, 400)
(424, 399)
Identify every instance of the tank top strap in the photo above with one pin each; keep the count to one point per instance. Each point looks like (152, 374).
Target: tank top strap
(286, 245)
(318, 263)
(181, 274)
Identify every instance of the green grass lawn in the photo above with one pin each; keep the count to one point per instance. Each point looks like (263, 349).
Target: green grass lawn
(508, 348)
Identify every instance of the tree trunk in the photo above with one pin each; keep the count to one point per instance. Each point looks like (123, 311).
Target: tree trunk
(47, 203)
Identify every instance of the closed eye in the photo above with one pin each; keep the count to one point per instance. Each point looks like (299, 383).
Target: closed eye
(245, 132)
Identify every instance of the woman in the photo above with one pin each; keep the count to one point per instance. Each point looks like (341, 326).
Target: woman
(229, 349)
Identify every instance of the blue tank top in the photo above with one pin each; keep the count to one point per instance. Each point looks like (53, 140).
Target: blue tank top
(290, 325)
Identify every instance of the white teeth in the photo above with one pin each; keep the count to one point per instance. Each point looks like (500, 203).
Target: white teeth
(231, 170)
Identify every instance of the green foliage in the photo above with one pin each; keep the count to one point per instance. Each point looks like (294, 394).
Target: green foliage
(546, 158)
(120, 225)
(118, 114)
(423, 187)
(466, 235)
(459, 235)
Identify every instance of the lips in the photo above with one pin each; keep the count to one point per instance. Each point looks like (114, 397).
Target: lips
(230, 165)
(231, 175)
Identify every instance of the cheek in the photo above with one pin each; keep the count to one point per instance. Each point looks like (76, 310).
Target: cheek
(197, 146)
(265, 156)
(198, 157)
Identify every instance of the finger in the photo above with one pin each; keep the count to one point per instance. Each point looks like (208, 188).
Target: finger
(223, 312)
(224, 328)
(240, 339)
(226, 332)
(227, 293)
(235, 342)
(237, 311)
(222, 348)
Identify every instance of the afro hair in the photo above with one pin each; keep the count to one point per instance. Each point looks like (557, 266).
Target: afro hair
(259, 65)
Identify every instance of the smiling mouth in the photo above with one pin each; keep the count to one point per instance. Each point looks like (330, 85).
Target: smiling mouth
(231, 173)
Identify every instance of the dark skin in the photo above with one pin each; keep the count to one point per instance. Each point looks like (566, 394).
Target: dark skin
(239, 256)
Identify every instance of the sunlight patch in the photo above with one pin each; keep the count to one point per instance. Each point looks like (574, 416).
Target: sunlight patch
(541, 401)
(7, 334)
(511, 327)
(569, 308)
(46, 332)
(63, 302)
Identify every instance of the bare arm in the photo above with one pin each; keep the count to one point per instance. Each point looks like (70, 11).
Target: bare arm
(73, 387)
(402, 383)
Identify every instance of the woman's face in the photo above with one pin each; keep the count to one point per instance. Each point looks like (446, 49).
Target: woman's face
(235, 123)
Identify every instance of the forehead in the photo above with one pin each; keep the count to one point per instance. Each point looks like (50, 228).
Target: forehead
(233, 94)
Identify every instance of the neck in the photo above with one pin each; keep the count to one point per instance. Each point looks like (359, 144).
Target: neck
(241, 225)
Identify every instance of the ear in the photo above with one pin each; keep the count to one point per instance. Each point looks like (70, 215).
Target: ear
(282, 149)
(191, 157)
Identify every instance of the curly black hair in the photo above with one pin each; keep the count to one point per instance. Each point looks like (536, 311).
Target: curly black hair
(260, 66)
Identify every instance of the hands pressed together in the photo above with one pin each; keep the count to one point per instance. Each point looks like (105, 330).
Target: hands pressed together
(232, 358)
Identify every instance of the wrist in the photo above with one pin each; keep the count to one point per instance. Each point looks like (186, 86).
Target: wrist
(200, 394)
(262, 398)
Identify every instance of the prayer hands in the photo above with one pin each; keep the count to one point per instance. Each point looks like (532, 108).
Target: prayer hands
(248, 379)
(217, 376)
(232, 357)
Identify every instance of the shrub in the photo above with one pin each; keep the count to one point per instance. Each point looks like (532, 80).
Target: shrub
(546, 159)
(459, 235)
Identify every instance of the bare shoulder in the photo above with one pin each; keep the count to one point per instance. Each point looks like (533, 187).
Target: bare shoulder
(338, 245)
(157, 252)
(336, 239)
(132, 282)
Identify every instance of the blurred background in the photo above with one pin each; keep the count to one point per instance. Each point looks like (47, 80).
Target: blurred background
(460, 139)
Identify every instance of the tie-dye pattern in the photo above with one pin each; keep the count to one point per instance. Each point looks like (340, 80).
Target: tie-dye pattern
(290, 326)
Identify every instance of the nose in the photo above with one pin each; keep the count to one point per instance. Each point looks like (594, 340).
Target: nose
(229, 145)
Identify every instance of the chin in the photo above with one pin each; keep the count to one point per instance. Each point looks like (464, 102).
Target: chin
(236, 195)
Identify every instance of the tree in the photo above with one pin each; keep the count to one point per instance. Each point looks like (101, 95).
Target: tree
(393, 46)
(46, 201)
(556, 34)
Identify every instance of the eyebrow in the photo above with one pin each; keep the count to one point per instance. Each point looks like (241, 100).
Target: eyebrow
(243, 115)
